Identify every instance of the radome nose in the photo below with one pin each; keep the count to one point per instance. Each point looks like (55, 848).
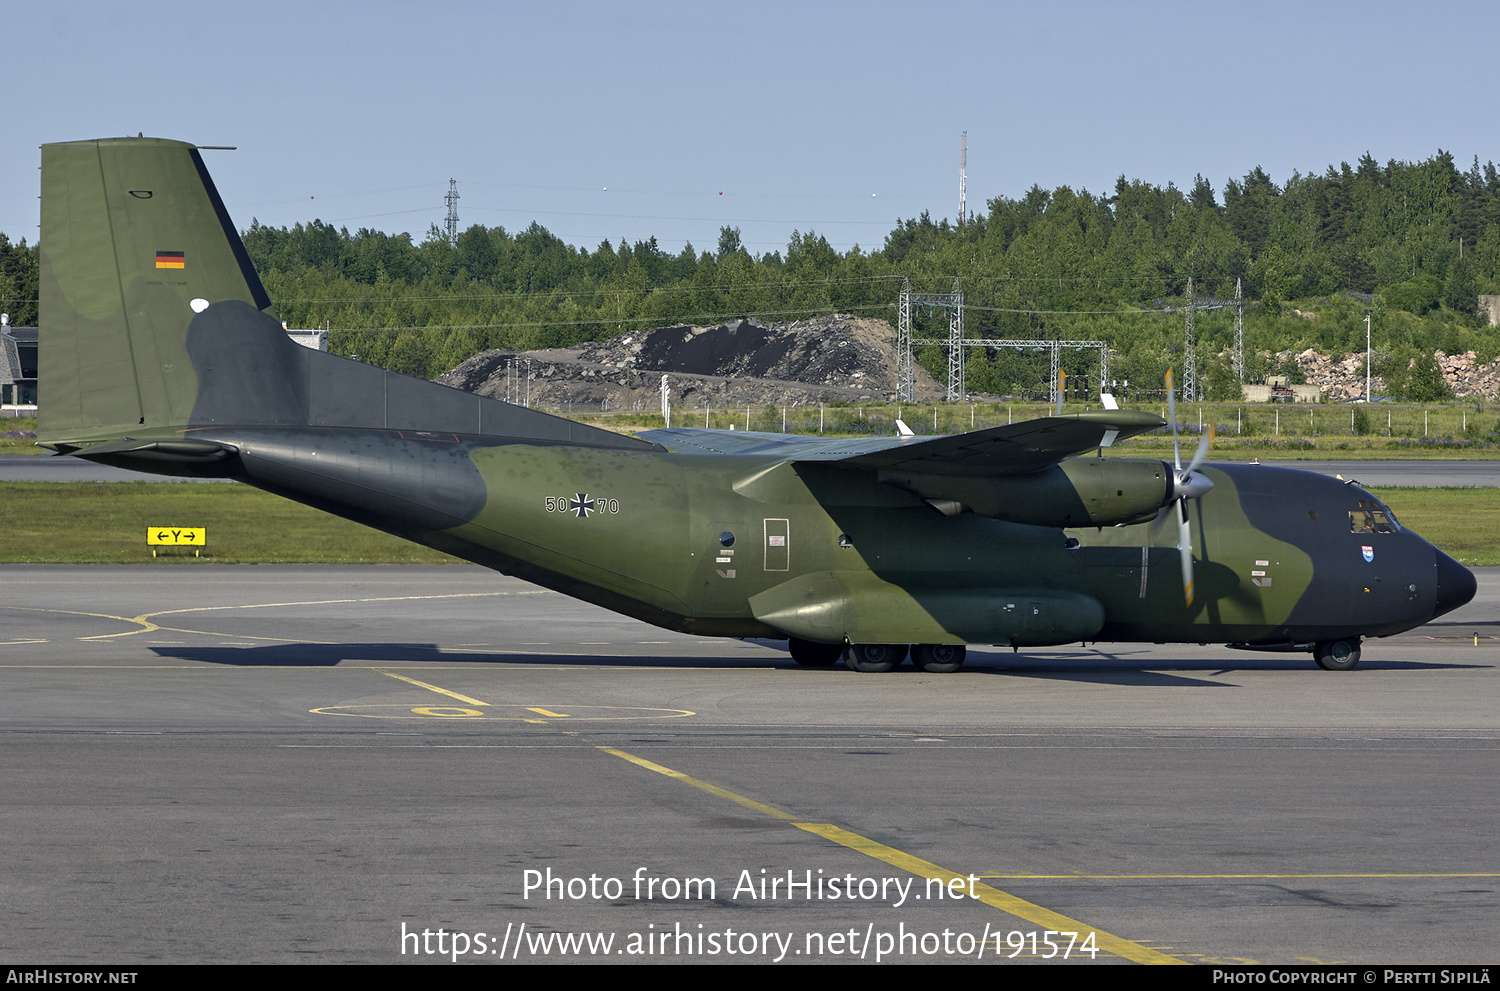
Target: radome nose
(1455, 584)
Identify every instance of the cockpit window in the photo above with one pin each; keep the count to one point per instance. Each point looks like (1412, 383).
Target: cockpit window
(1370, 521)
(1372, 516)
(1386, 510)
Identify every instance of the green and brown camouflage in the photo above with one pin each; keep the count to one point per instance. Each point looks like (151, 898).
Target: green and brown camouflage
(160, 351)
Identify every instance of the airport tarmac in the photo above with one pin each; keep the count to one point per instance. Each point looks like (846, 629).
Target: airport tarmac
(293, 764)
(58, 468)
(1404, 473)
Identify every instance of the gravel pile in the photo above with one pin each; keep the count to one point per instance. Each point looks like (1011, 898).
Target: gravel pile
(1344, 378)
(740, 363)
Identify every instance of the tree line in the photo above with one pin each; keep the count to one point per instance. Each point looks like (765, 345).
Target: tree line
(1416, 243)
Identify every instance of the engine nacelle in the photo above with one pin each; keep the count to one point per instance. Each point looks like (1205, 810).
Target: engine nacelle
(1076, 492)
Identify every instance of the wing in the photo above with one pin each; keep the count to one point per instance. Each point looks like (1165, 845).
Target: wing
(774, 447)
(1014, 449)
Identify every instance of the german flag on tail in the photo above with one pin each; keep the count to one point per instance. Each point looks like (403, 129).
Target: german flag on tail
(171, 259)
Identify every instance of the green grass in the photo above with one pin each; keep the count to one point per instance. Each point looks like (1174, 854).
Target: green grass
(1315, 449)
(105, 523)
(1464, 522)
(19, 445)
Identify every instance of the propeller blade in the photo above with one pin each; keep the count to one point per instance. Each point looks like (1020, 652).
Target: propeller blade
(1204, 443)
(1184, 542)
(1193, 486)
(1172, 415)
(1187, 484)
(1185, 550)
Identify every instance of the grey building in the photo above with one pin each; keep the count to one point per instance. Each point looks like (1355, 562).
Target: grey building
(17, 365)
(18, 360)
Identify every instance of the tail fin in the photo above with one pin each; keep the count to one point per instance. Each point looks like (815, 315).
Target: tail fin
(154, 321)
(132, 232)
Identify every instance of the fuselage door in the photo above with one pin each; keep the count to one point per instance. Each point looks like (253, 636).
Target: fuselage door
(720, 586)
(778, 545)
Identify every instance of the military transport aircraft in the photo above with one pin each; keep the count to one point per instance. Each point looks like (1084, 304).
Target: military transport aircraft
(160, 352)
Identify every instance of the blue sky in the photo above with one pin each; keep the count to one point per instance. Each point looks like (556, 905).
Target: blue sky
(613, 120)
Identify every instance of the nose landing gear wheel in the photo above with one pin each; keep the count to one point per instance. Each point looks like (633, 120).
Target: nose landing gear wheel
(874, 657)
(938, 658)
(1337, 655)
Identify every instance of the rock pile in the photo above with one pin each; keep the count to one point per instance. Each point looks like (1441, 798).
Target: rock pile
(1467, 377)
(1339, 380)
(1345, 378)
(830, 359)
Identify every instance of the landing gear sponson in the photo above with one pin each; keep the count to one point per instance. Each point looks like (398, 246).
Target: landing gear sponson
(941, 658)
(934, 658)
(1331, 655)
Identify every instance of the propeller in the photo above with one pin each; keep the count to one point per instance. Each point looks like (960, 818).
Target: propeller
(1187, 483)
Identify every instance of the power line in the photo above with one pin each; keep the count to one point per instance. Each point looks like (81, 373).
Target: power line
(700, 192)
(600, 291)
(997, 309)
(706, 220)
(705, 317)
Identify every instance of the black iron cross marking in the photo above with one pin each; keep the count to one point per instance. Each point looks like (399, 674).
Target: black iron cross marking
(581, 505)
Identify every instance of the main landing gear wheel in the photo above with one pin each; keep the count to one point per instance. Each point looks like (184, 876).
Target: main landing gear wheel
(874, 657)
(938, 658)
(815, 655)
(1337, 655)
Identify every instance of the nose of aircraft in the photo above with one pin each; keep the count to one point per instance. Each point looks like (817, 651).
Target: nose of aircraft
(1455, 584)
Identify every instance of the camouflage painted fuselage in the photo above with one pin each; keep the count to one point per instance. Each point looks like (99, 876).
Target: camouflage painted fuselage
(737, 546)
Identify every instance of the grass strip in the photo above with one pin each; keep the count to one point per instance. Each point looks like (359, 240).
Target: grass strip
(105, 523)
(1464, 522)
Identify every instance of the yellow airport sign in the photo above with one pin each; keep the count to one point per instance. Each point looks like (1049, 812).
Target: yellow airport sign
(176, 536)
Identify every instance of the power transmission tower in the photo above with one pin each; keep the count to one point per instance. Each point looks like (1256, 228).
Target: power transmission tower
(452, 200)
(1239, 332)
(905, 383)
(963, 179)
(1189, 352)
(1055, 395)
(956, 391)
(953, 303)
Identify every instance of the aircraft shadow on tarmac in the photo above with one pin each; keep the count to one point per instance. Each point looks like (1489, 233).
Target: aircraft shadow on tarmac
(1101, 668)
(330, 655)
(1182, 674)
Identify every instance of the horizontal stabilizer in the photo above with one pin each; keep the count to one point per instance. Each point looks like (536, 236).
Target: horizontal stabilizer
(178, 456)
(173, 448)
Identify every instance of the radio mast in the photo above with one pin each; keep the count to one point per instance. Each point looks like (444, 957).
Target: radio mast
(963, 180)
(452, 222)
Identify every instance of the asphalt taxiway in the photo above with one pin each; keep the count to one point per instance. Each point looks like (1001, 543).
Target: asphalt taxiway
(271, 764)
